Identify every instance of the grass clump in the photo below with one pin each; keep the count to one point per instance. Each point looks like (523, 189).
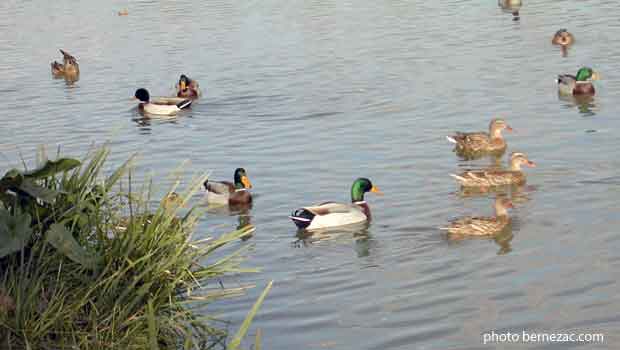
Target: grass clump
(89, 265)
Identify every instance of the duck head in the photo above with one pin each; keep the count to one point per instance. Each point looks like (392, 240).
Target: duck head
(184, 82)
(142, 95)
(563, 37)
(360, 187)
(241, 179)
(517, 159)
(496, 126)
(586, 74)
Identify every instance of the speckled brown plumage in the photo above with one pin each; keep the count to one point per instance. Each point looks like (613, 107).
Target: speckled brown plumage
(472, 144)
(497, 177)
(482, 226)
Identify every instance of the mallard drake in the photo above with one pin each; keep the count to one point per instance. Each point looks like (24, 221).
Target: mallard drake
(482, 226)
(580, 84)
(225, 192)
(332, 214)
(187, 87)
(470, 144)
(158, 107)
(563, 37)
(497, 177)
(69, 68)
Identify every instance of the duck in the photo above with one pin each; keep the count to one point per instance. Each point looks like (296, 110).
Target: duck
(563, 37)
(69, 68)
(512, 6)
(472, 144)
(483, 226)
(187, 88)
(233, 194)
(333, 214)
(578, 85)
(159, 108)
(497, 177)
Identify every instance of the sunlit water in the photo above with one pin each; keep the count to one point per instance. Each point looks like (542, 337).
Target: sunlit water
(307, 96)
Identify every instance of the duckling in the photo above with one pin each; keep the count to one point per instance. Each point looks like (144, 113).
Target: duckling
(581, 84)
(563, 37)
(495, 177)
(224, 192)
(473, 144)
(69, 68)
(332, 214)
(187, 88)
(482, 226)
(159, 108)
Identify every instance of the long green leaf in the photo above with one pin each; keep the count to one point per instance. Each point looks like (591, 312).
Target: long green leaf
(62, 239)
(234, 344)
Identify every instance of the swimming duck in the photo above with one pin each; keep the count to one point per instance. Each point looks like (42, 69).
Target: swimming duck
(497, 177)
(225, 192)
(157, 107)
(483, 226)
(470, 144)
(69, 68)
(563, 37)
(332, 214)
(512, 6)
(187, 87)
(580, 84)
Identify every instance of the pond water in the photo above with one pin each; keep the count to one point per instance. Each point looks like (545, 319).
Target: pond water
(309, 95)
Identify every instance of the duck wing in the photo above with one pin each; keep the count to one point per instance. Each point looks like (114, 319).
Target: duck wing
(219, 187)
(490, 177)
(330, 208)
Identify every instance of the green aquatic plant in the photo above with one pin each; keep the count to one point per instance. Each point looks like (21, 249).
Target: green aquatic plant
(89, 263)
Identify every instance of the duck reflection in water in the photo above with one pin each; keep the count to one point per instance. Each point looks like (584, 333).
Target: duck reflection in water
(511, 6)
(342, 234)
(585, 104)
(498, 227)
(242, 211)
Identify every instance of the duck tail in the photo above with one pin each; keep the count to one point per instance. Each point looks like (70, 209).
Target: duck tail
(302, 218)
(184, 104)
(458, 178)
(451, 139)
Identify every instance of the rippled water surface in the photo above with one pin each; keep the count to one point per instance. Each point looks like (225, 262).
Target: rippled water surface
(307, 96)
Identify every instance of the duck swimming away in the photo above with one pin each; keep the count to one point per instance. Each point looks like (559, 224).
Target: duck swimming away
(159, 108)
(332, 214)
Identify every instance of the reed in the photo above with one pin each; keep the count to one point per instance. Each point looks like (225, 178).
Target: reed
(90, 263)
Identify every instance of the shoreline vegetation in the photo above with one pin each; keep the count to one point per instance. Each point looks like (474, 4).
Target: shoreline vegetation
(86, 262)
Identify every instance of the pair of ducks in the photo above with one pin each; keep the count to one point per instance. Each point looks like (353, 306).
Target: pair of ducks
(476, 144)
(187, 91)
(324, 215)
(579, 84)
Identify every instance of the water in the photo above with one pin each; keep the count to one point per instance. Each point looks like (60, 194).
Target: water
(307, 96)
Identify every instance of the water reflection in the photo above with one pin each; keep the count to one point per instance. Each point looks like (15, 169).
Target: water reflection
(343, 234)
(585, 104)
(511, 6)
(145, 121)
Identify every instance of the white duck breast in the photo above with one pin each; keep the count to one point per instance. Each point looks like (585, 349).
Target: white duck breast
(334, 214)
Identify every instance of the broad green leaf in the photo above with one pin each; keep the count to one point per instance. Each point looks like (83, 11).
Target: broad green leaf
(15, 231)
(53, 167)
(36, 191)
(62, 239)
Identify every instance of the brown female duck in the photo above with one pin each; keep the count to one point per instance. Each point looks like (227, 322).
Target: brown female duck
(563, 37)
(476, 143)
(69, 68)
(225, 192)
(496, 177)
(482, 226)
(187, 88)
